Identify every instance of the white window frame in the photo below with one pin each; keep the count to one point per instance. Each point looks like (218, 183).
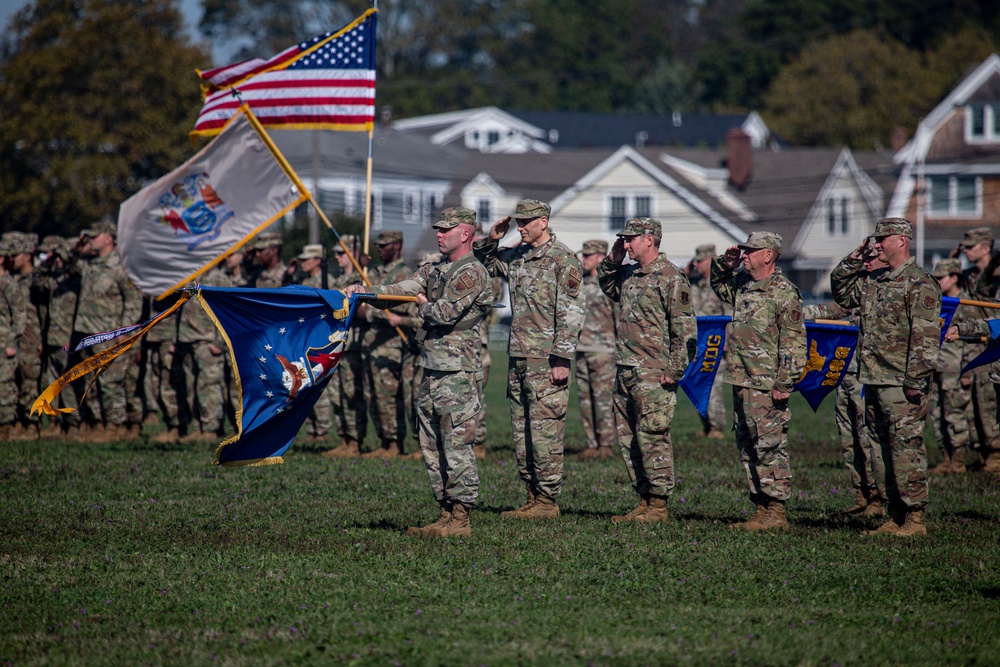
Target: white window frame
(991, 133)
(631, 199)
(840, 205)
(953, 198)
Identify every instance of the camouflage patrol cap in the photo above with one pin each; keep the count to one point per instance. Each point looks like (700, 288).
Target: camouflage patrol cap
(51, 243)
(528, 209)
(387, 237)
(947, 267)
(103, 227)
(762, 241)
(311, 251)
(639, 226)
(976, 236)
(595, 247)
(19, 242)
(349, 240)
(267, 240)
(893, 226)
(704, 252)
(455, 216)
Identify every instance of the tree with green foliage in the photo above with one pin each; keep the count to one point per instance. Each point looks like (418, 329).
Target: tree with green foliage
(853, 90)
(96, 99)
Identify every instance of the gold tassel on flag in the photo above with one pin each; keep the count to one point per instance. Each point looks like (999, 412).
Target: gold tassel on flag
(98, 363)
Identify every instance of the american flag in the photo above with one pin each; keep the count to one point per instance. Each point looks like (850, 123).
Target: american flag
(327, 82)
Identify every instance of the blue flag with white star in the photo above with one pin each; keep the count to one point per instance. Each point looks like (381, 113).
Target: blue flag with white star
(284, 345)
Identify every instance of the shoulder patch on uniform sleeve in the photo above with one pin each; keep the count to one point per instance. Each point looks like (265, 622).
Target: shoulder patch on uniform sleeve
(685, 297)
(572, 281)
(928, 302)
(795, 316)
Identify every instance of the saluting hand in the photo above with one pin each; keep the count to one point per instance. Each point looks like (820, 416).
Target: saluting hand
(500, 229)
(859, 252)
(618, 251)
(732, 257)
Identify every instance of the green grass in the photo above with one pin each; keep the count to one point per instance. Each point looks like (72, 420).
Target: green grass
(132, 553)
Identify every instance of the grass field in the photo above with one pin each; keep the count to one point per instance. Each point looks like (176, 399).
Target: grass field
(132, 553)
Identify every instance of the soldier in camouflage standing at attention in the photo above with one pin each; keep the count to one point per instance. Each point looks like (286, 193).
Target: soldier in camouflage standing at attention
(267, 256)
(707, 303)
(595, 359)
(57, 291)
(657, 339)
(161, 392)
(346, 389)
(22, 247)
(108, 301)
(899, 338)
(454, 297)
(389, 362)
(765, 356)
(199, 368)
(12, 317)
(545, 280)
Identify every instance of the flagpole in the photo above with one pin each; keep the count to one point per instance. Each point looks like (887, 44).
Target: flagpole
(979, 304)
(304, 191)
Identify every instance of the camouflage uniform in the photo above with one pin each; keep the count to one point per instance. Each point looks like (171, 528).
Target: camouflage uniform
(108, 301)
(58, 290)
(849, 410)
(595, 360)
(346, 388)
(984, 436)
(547, 305)
(12, 321)
(657, 335)
(198, 373)
(496, 287)
(767, 351)
(389, 360)
(459, 298)
(899, 339)
(30, 347)
(707, 303)
(269, 278)
(160, 345)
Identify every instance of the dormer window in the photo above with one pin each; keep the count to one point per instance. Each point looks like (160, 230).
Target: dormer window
(982, 123)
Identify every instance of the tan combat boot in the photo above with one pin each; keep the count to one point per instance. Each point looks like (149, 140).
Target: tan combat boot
(876, 506)
(943, 468)
(457, 526)
(415, 455)
(383, 451)
(590, 453)
(992, 463)
(479, 451)
(635, 513)
(890, 527)
(519, 512)
(760, 510)
(348, 448)
(656, 512)
(860, 503)
(958, 462)
(773, 518)
(4, 432)
(912, 525)
(544, 508)
(134, 431)
(170, 435)
(715, 434)
(443, 518)
(17, 432)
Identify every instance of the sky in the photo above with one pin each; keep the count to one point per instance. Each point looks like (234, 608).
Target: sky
(191, 10)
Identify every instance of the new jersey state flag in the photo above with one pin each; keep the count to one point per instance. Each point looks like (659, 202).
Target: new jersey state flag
(175, 229)
(285, 345)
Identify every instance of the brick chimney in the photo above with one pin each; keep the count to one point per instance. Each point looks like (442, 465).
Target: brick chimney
(898, 138)
(739, 158)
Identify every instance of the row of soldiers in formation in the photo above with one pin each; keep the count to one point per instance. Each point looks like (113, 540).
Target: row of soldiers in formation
(628, 327)
(651, 302)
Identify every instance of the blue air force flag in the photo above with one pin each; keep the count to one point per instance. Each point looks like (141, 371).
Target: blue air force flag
(830, 348)
(285, 344)
(992, 351)
(700, 373)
